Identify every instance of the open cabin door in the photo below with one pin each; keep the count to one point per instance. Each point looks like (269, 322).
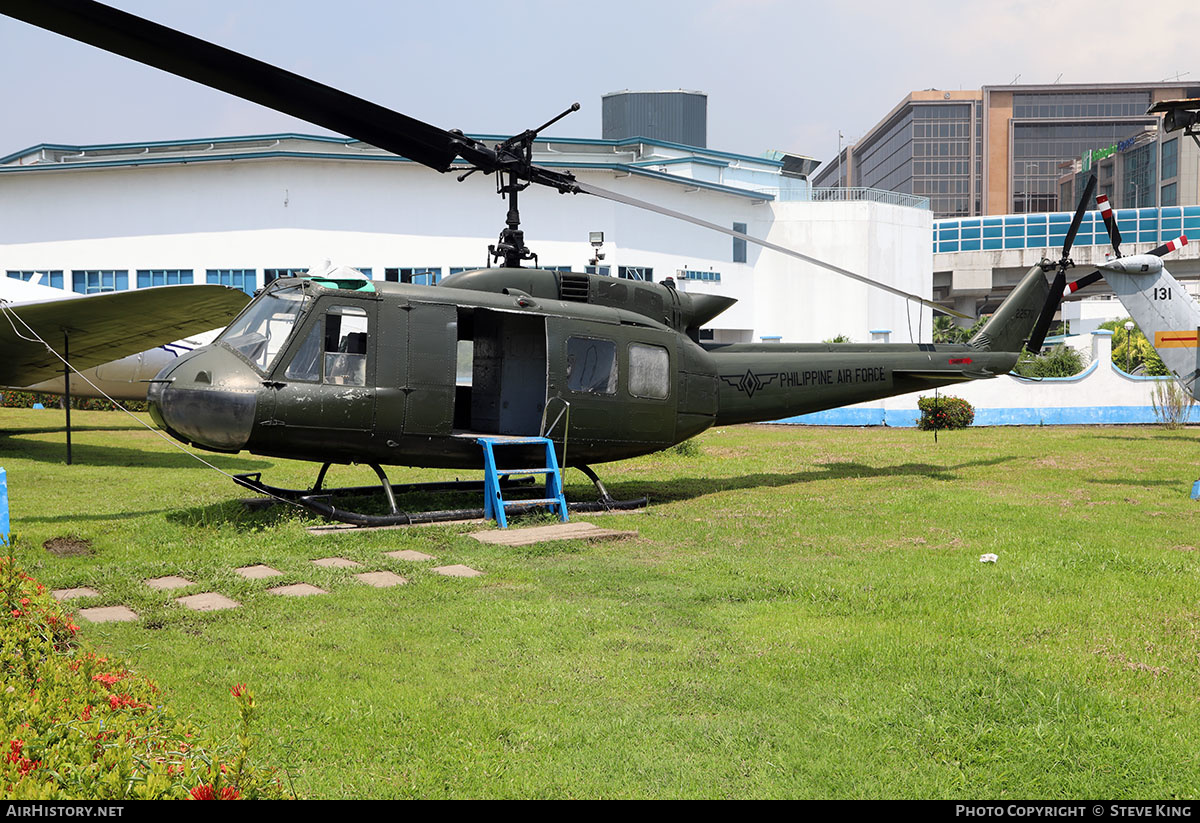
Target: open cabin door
(505, 378)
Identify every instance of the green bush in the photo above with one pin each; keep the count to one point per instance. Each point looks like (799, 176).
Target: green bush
(1061, 361)
(944, 412)
(688, 448)
(80, 726)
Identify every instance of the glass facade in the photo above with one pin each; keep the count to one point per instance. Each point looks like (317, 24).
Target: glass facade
(1139, 187)
(1079, 104)
(1049, 231)
(1170, 158)
(887, 162)
(944, 160)
(1037, 150)
(932, 150)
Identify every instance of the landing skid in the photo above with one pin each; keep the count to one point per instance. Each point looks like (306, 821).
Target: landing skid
(321, 501)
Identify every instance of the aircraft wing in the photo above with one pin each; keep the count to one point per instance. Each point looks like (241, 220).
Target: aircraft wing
(106, 327)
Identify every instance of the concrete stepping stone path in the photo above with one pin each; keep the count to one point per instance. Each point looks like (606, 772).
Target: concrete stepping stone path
(381, 580)
(71, 594)
(297, 590)
(214, 601)
(167, 583)
(457, 570)
(108, 614)
(258, 572)
(409, 554)
(207, 602)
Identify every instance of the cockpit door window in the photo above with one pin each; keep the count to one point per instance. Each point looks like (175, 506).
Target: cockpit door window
(335, 349)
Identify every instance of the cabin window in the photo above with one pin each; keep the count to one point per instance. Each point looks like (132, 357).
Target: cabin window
(346, 346)
(591, 365)
(649, 371)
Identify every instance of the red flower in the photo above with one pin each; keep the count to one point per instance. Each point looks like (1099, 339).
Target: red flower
(203, 792)
(87, 712)
(206, 792)
(238, 690)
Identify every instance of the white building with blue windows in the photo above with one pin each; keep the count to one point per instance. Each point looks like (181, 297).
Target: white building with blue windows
(244, 210)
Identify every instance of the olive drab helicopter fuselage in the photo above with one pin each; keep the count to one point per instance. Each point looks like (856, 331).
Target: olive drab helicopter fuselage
(354, 370)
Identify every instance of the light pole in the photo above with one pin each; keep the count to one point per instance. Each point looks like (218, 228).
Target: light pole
(1128, 346)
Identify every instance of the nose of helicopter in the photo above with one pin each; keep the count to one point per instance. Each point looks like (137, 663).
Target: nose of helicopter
(206, 398)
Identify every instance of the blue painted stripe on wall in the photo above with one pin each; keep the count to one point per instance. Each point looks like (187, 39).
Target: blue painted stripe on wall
(840, 417)
(1057, 416)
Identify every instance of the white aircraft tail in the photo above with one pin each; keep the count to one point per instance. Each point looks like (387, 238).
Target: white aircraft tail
(1157, 302)
(1162, 308)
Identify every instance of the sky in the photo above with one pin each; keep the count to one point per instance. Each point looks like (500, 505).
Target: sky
(779, 74)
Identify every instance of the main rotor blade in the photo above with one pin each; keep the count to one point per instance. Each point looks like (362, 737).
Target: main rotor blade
(195, 59)
(1084, 282)
(587, 188)
(1170, 246)
(1083, 204)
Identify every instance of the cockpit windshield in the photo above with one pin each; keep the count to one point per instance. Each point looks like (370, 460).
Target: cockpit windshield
(262, 330)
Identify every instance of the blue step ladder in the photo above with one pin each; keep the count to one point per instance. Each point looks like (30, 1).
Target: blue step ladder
(494, 505)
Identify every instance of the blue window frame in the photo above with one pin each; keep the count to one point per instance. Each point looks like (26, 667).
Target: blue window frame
(708, 276)
(420, 276)
(270, 275)
(244, 279)
(163, 277)
(636, 273)
(604, 271)
(95, 281)
(40, 277)
(739, 245)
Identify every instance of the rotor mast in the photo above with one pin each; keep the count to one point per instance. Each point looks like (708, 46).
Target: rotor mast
(515, 157)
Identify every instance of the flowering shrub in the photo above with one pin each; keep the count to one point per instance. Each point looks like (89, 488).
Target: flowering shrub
(944, 413)
(79, 726)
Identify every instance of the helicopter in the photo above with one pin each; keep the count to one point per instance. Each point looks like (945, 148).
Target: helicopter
(336, 368)
(1159, 303)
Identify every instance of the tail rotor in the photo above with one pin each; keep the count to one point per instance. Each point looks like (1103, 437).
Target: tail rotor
(1059, 285)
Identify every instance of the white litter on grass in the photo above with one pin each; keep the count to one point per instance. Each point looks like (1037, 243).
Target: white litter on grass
(989, 558)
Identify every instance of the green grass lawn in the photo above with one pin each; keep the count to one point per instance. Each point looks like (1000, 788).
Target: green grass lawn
(803, 614)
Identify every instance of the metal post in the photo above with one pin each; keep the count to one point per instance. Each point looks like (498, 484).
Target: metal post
(67, 388)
